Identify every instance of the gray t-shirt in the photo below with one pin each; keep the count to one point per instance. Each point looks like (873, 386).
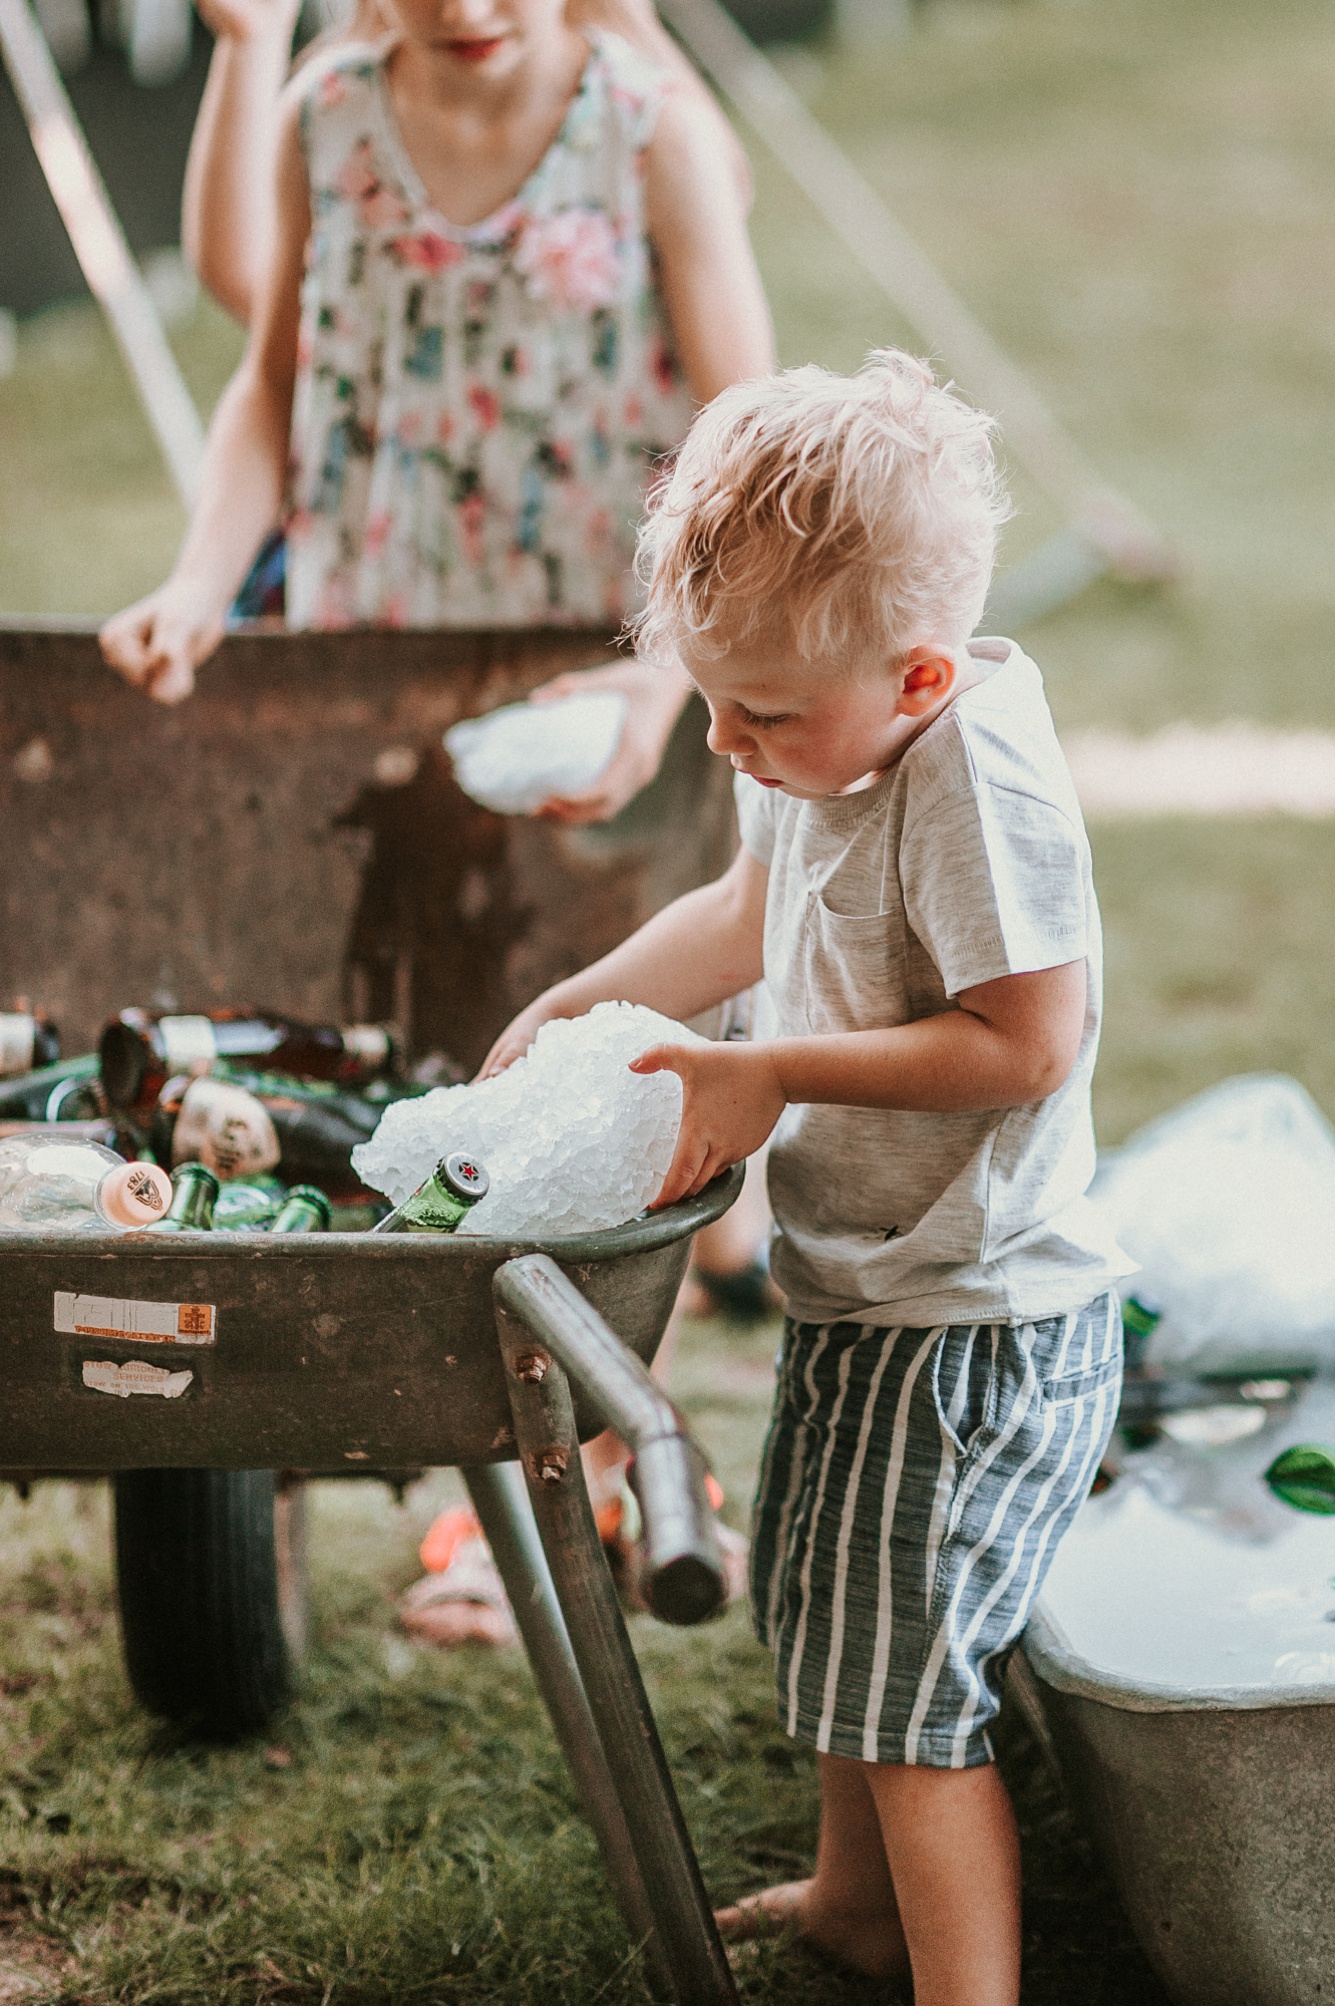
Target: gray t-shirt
(967, 861)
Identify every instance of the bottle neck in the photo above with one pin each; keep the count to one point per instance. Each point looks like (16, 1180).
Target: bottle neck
(301, 1214)
(194, 1194)
(434, 1209)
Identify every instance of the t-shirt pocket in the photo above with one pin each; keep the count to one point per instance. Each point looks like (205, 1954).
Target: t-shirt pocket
(849, 969)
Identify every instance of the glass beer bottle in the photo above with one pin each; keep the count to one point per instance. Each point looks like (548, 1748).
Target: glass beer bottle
(453, 1188)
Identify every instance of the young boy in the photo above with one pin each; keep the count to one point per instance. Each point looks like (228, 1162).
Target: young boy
(914, 884)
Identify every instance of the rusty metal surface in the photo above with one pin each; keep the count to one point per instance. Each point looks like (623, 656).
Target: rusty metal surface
(326, 1348)
(262, 842)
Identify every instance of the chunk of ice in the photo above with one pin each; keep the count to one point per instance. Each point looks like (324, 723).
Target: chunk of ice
(516, 758)
(572, 1140)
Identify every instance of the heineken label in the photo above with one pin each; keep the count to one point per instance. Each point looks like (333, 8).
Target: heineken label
(16, 1038)
(188, 1043)
(226, 1129)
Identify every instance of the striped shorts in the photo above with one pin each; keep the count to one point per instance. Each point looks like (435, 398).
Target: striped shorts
(914, 1487)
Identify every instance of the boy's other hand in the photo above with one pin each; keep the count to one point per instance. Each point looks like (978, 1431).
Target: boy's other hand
(732, 1097)
(158, 643)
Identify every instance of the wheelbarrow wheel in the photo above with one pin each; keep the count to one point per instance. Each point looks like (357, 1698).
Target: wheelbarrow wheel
(210, 1568)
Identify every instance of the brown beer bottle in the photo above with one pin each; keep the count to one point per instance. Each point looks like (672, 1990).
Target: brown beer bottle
(141, 1050)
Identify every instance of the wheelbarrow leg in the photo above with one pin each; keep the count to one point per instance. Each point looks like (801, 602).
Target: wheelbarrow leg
(500, 1498)
(545, 1433)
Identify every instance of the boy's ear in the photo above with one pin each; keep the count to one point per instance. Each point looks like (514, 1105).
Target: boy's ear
(929, 677)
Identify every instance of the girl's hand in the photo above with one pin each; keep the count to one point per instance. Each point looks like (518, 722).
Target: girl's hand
(158, 644)
(732, 1099)
(656, 698)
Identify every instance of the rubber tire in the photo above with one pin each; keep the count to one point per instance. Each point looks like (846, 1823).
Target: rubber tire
(210, 1567)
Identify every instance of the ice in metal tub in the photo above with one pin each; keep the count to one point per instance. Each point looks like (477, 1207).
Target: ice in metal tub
(1184, 1653)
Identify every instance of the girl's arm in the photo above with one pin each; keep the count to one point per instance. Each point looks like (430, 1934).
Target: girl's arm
(701, 949)
(227, 206)
(1010, 1042)
(697, 225)
(159, 643)
(696, 206)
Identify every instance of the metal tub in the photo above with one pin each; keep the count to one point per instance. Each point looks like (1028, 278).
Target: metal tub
(1183, 1652)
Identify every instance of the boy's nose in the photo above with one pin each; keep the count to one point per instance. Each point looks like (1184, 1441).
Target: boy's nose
(725, 735)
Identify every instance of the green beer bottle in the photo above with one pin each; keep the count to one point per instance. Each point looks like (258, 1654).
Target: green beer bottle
(194, 1195)
(456, 1184)
(304, 1210)
(1141, 1317)
(1304, 1477)
(248, 1205)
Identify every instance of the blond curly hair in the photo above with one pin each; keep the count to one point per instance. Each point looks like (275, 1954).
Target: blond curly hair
(857, 514)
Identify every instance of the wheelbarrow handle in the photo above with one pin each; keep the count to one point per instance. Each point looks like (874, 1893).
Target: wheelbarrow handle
(683, 1578)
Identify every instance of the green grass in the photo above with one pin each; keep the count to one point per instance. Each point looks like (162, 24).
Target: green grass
(408, 1833)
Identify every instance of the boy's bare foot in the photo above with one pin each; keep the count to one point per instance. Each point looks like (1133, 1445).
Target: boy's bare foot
(869, 1943)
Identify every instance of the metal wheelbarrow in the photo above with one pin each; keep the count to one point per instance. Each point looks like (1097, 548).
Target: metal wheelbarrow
(252, 1354)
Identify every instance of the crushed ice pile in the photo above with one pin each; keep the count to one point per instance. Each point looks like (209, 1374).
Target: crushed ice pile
(1228, 1203)
(572, 1141)
(516, 758)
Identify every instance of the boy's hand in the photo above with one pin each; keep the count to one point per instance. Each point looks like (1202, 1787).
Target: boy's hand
(517, 1036)
(732, 1099)
(159, 643)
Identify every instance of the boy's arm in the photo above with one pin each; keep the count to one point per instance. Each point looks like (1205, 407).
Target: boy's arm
(159, 643)
(1010, 1042)
(703, 948)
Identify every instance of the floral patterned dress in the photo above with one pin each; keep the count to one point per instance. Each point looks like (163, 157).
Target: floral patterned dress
(477, 411)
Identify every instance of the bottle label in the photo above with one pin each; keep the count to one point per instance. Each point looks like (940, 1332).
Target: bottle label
(226, 1129)
(367, 1042)
(136, 1375)
(188, 1043)
(16, 1039)
(432, 1214)
(147, 1323)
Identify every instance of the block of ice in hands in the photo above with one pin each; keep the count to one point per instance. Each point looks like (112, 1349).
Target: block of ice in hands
(514, 759)
(573, 1142)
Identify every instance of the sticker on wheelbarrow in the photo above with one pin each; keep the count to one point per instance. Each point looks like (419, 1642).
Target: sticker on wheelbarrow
(147, 1323)
(136, 1375)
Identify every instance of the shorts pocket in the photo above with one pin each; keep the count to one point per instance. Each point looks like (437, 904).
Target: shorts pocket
(978, 1409)
(1082, 1384)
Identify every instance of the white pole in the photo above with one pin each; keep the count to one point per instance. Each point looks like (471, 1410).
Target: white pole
(99, 244)
(1132, 546)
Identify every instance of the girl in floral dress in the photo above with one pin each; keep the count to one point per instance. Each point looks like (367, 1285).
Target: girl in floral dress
(507, 260)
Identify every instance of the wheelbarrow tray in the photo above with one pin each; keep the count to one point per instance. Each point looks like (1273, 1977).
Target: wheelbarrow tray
(303, 1352)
